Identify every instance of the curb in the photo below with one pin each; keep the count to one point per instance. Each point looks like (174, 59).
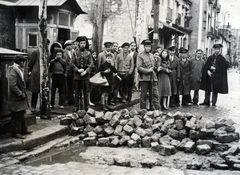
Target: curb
(36, 139)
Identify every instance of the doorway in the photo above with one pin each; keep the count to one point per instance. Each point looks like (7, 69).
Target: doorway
(63, 35)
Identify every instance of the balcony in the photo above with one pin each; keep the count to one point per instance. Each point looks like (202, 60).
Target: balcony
(219, 8)
(178, 21)
(169, 14)
(215, 5)
(211, 33)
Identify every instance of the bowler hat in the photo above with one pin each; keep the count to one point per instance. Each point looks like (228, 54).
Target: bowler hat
(146, 42)
(183, 50)
(107, 44)
(217, 46)
(125, 44)
(19, 58)
(68, 42)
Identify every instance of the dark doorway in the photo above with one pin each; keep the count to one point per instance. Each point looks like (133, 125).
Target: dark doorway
(63, 35)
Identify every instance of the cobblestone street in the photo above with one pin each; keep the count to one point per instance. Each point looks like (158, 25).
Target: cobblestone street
(96, 158)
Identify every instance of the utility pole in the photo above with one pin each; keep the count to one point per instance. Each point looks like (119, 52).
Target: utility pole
(200, 19)
(156, 24)
(44, 77)
(98, 26)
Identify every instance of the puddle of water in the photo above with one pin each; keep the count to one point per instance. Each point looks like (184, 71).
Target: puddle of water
(58, 156)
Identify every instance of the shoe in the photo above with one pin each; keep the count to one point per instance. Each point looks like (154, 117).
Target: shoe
(19, 136)
(164, 107)
(91, 104)
(205, 104)
(27, 132)
(61, 107)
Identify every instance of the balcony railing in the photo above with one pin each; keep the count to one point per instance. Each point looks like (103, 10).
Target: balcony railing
(169, 14)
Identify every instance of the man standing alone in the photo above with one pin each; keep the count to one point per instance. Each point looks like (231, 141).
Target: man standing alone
(18, 100)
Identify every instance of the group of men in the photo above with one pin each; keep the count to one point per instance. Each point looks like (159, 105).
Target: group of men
(186, 74)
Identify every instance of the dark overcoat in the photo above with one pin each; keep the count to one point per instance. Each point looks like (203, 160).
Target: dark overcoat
(175, 74)
(184, 85)
(218, 82)
(18, 100)
(34, 68)
(196, 68)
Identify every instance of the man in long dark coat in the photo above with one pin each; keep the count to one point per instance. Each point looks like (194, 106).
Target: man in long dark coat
(214, 77)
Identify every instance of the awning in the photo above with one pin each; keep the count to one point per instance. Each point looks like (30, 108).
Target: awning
(171, 30)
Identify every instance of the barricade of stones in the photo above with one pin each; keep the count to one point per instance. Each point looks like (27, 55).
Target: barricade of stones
(164, 133)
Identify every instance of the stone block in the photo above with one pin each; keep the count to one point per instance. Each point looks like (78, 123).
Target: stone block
(133, 112)
(205, 142)
(140, 131)
(142, 112)
(209, 124)
(146, 141)
(130, 122)
(65, 121)
(194, 135)
(104, 141)
(206, 133)
(169, 122)
(183, 143)
(156, 127)
(91, 134)
(80, 122)
(168, 116)
(81, 113)
(137, 120)
(220, 166)
(73, 116)
(154, 146)
(175, 142)
(232, 160)
(230, 129)
(190, 125)
(236, 166)
(173, 133)
(74, 131)
(227, 138)
(149, 163)
(220, 131)
(164, 129)
(89, 120)
(87, 129)
(194, 165)
(115, 118)
(98, 129)
(89, 141)
(128, 129)
(149, 132)
(108, 131)
(123, 122)
(135, 137)
(81, 136)
(178, 115)
(132, 143)
(157, 113)
(219, 147)
(189, 116)
(91, 112)
(99, 117)
(108, 116)
(118, 130)
(159, 120)
(165, 140)
(182, 133)
(179, 124)
(121, 161)
(233, 150)
(115, 142)
(166, 150)
(189, 147)
(148, 121)
(150, 114)
(203, 149)
(155, 138)
(124, 140)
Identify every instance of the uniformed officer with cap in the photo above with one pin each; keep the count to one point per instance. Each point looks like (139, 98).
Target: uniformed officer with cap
(147, 77)
(214, 76)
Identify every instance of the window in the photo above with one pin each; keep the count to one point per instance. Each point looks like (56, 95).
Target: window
(32, 40)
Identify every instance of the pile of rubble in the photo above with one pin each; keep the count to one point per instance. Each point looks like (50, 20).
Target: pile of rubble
(164, 133)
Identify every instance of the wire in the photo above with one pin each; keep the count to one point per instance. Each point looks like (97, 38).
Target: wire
(130, 18)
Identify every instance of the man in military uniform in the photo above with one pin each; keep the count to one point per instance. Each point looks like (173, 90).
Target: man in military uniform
(147, 77)
(81, 64)
(214, 77)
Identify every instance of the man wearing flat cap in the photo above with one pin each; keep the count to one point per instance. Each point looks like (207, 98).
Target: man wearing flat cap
(214, 77)
(147, 77)
(174, 76)
(18, 100)
(102, 55)
(81, 65)
(68, 57)
(124, 65)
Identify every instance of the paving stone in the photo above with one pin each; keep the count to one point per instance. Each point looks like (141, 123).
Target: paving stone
(179, 124)
(91, 134)
(74, 131)
(98, 129)
(132, 143)
(232, 159)
(146, 141)
(156, 127)
(80, 122)
(236, 166)
(133, 112)
(220, 166)
(224, 122)
(209, 124)
(137, 121)
(149, 163)
(81, 113)
(66, 121)
(121, 161)
(73, 116)
(124, 140)
(155, 138)
(233, 150)
(175, 142)
(194, 135)
(115, 142)
(169, 122)
(99, 117)
(135, 137)
(178, 115)
(123, 122)
(189, 147)
(149, 132)
(108, 116)
(166, 150)
(165, 140)
(230, 129)
(189, 116)
(154, 146)
(128, 129)
(115, 119)
(190, 125)
(89, 120)
(108, 131)
(104, 141)
(91, 112)
(219, 147)
(87, 129)
(118, 130)
(227, 138)
(130, 122)
(205, 142)
(156, 113)
(148, 121)
(173, 133)
(203, 149)
(194, 165)
(140, 131)
(89, 141)
(182, 133)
